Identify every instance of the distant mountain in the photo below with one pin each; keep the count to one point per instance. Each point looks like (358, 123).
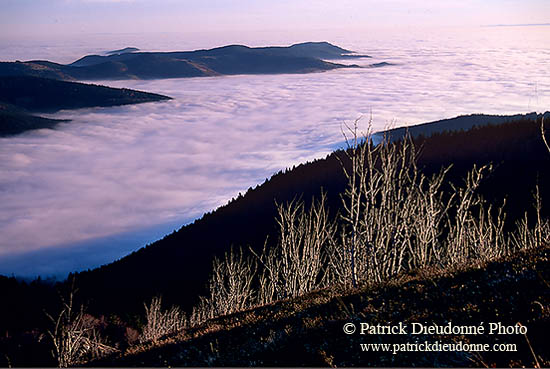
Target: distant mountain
(43, 94)
(21, 94)
(14, 121)
(122, 51)
(227, 60)
(321, 50)
(379, 65)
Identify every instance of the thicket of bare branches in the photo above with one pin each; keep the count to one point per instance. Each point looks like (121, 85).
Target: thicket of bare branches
(161, 322)
(531, 234)
(75, 336)
(391, 213)
(229, 287)
(475, 230)
(297, 263)
(543, 134)
(393, 218)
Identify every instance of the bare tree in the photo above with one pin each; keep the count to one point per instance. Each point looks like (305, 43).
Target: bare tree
(542, 132)
(74, 335)
(297, 263)
(161, 322)
(229, 287)
(393, 218)
(391, 214)
(527, 236)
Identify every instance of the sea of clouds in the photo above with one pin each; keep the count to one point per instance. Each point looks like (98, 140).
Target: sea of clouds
(114, 179)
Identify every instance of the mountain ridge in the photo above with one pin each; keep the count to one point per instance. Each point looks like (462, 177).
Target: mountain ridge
(22, 95)
(226, 60)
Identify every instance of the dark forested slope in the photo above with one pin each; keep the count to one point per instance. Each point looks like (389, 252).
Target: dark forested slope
(44, 94)
(20, 95)
(178, 265)
(14, 120)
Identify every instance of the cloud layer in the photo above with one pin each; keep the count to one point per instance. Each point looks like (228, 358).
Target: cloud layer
(114, 171)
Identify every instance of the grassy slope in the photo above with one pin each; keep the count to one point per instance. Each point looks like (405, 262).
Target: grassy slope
(308, 330)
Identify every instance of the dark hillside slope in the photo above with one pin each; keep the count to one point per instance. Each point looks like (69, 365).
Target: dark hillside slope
(308, 330)
(461, 123)
(44, 94)
(122, 51)
(178, 265)
(14, 121)
(20, 95)
(33, 69)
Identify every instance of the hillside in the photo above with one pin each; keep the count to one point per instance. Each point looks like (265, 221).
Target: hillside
(461, 123)
(308, 330)
(43, 94)
(14, 121)
(20, 95)
(182, 260)
(227, 60)
(179, 267)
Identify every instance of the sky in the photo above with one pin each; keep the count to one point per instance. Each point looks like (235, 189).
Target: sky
(53, 18)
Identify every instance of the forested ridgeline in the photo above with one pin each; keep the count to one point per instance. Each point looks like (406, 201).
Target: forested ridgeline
(182, 260)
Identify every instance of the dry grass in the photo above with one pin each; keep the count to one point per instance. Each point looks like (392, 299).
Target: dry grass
(307, 330)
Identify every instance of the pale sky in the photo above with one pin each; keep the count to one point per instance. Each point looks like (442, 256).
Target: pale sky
(50, 18)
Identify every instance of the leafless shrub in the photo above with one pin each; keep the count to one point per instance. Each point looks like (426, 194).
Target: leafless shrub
(201, 312)
(474, 232)
(393, 218)
(75, 335)
(542, 132)
(527, 236)
(297, 263)
(392, 213)
(161, 322)
(229, 288)
(428, 221)
(346, 260)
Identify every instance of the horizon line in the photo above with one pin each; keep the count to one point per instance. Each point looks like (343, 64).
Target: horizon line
(516, 25)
